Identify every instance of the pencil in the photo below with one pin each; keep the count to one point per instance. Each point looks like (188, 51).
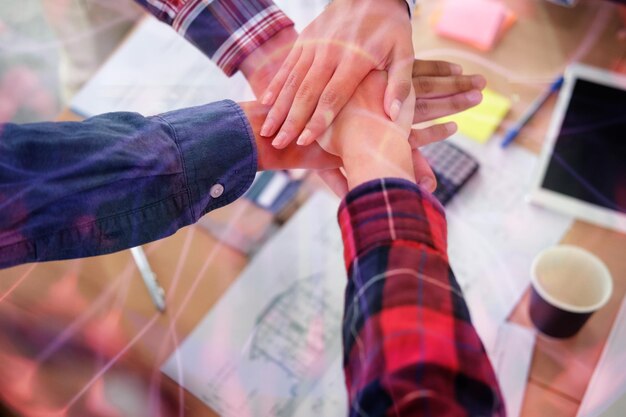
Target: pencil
(530, 112)
(149, 278)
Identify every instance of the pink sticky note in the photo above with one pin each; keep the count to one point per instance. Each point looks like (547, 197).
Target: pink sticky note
(476, 22)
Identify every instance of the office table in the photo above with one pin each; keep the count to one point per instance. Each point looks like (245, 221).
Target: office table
(528, 58)
(108, 297)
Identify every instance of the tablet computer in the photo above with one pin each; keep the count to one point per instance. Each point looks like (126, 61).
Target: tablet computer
(582, 168)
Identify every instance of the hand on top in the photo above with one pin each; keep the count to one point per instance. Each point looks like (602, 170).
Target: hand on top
(330, 59)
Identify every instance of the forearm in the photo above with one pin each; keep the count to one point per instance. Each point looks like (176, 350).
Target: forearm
(270, 158)
(409, 345)
(261, 65)
(118, 180)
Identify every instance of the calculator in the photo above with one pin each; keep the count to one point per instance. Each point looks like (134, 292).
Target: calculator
(452, 166)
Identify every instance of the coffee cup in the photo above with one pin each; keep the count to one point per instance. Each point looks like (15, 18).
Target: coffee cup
(568, 284)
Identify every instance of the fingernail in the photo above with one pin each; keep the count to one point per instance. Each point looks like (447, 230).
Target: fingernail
(427, 183)
(267, 98)
(279, 140)
(456, 69)
(478, 82)
(267, 128)
(450, 127)
(304, 137)
(474, 97)
(394, 111)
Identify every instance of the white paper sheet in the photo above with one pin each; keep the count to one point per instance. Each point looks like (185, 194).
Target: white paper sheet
(251, 356)
(156, 70)
(494, 234)
(272, 345)
(606, 393)
(511, 358)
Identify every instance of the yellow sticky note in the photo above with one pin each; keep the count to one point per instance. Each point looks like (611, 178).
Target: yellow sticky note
(480, 122)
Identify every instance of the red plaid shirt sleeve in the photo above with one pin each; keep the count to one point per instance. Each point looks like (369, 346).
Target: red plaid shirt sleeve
(227, 31)
(410, 348)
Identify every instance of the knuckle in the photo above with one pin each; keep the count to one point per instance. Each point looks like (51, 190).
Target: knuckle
(305, 92)
(458, 102)
(440, 131)
(330, 97)
(462, 83)
(292, 81)
(320, 121)
(404, 87)
(422, 107)
(425, 84)
(442, 68)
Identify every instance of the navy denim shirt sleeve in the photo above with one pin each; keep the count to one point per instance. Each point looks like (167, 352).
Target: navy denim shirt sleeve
(77, 189)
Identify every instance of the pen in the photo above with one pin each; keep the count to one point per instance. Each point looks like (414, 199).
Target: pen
(530, 112)
(149, 278)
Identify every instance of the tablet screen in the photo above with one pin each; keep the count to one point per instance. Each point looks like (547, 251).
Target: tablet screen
(589, 157)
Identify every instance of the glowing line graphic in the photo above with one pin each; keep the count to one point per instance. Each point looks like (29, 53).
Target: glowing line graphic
(17, 283)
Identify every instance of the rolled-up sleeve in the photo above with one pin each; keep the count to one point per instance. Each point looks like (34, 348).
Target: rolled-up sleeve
(410, 348)
(226, 31)
(118, 180)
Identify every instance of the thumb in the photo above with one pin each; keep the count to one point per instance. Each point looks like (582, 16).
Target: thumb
(399, 82)
(424, 174)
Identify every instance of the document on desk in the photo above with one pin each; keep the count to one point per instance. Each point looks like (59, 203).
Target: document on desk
(494, 234)
(272, 345)
(511, 357)
(156, 70)
(606, 393)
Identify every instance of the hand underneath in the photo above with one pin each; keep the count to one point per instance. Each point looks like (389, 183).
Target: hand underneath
(370, 145)
(290, 157)
(441, 90)
(330, 59)
(364, 141)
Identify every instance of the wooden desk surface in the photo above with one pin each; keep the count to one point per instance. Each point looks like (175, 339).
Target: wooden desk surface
(103, 301)
(544, 39)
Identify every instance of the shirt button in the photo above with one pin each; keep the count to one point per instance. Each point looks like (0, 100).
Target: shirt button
(216, 190)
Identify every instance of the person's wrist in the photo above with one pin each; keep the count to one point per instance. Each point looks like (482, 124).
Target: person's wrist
(256, 113)
(269, 158)
(262, 64)
(367, 163)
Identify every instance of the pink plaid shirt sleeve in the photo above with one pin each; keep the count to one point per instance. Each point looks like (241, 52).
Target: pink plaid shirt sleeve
(226, 31)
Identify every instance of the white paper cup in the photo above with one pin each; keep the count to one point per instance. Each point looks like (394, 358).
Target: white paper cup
(568, 285)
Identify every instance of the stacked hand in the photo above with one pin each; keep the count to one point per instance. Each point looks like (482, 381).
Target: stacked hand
(307, 80)
(439, 90)
(370, 144)
(363, 122)
(330, 59)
